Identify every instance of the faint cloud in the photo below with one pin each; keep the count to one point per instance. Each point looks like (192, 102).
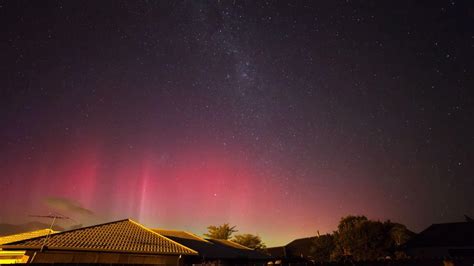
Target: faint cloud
(67, 205)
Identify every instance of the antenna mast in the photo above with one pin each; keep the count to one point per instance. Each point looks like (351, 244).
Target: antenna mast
(54, 217)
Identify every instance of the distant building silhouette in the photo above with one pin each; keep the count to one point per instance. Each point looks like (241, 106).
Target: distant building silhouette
(443, 240)
(297, 251)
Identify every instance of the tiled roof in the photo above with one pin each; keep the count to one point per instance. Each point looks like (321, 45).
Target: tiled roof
(26, 235)
(119, 236)
(448, 234)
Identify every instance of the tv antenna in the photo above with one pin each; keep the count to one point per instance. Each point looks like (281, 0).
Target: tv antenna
(53, 216)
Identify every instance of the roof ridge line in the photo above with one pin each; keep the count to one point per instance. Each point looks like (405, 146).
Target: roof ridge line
(158, 228)
(171, 240)
(233, 243)
(193, 234)
(184, 231)
(239, 244)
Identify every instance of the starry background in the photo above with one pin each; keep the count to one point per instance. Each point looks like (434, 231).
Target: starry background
(278, 117)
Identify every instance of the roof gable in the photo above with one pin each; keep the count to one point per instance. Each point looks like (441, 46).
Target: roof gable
(119, 236)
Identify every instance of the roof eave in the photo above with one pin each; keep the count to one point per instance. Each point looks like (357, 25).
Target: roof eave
(20, 247)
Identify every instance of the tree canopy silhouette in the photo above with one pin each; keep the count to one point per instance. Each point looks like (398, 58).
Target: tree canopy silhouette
(322, 248)
(224, 231)
(250, 241)
(361, 239)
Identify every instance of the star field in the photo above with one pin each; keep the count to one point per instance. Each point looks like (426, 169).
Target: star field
(278, 117)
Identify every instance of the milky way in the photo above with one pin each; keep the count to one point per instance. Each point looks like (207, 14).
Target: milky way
(279, 118)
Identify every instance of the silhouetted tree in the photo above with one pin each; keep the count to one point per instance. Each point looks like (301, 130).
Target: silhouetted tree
(224, 231)
(348, 237)
(400, 234)
(250, 241)
(322, 247)
(362, 239)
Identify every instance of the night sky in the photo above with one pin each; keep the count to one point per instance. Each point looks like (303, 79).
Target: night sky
(278, 117)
